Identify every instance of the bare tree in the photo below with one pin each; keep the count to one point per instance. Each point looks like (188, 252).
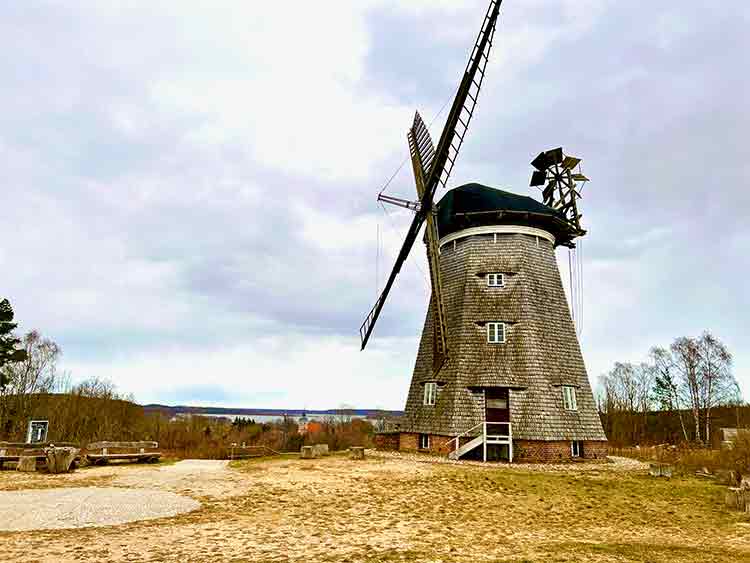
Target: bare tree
(666, 387)
(626, 399)
(717, 384)
(26, 379)
(687, 363)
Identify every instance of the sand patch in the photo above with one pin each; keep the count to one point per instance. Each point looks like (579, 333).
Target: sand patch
(57, 509)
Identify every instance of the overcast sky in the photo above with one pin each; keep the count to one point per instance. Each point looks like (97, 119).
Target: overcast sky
(190, 188)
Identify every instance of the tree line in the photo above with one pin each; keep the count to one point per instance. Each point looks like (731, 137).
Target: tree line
(32, 387)
(682, 385)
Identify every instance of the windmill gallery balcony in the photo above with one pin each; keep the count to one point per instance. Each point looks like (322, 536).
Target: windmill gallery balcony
(485, 434)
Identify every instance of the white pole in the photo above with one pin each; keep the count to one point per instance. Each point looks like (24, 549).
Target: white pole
(484, 440)
(510, 443)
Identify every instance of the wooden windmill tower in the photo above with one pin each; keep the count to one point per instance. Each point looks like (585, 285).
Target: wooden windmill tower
(499, 372)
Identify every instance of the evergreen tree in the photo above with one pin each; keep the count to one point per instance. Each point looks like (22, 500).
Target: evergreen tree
(8, 351)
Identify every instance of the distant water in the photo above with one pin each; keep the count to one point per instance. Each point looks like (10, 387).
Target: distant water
(261, 418)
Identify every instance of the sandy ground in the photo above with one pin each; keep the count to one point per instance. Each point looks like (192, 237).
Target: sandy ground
(395, 508)
(47, 509)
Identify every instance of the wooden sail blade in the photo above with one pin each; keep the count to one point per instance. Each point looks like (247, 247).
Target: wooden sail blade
(463, 106)
(440, 351)
(365, 330)
(440, 325)
(421, 143)
(446, 154)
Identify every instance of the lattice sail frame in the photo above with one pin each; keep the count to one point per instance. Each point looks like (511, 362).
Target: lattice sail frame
(445, 155)
(422, 153)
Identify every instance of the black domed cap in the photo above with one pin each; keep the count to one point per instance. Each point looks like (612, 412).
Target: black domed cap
(475, 205)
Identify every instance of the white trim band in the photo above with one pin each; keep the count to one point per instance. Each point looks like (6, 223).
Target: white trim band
(497, 229)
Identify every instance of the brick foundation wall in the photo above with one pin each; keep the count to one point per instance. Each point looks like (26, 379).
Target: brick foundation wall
(387, 441)
(595, 450)
(409, 442)
(529, 451)
(552, 452)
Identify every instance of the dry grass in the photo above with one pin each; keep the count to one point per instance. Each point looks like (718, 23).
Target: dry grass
(336, 510)
(690, 458)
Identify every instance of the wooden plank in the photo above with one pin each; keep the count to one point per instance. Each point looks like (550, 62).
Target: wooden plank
(124, 445)
(124, 456)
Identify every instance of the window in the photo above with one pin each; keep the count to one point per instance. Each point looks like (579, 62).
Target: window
(569, 398)
(576, 449)
(424, 441)
(496, 333)
(497, 403)
(430, 393)
(496, 280)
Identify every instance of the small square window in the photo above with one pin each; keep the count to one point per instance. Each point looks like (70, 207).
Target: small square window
(430, 393)
(424, 441)
(496, 333)
(569, 398)
(496, 280)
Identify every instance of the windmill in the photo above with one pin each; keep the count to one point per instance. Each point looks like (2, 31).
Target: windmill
(432, 169)
(499, 371)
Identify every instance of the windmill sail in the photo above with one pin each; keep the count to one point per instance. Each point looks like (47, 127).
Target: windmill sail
(421, 143)
(465, 102)
(417, 149)
(441, 165)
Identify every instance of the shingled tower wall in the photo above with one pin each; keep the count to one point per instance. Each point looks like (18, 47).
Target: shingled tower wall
(541, 353)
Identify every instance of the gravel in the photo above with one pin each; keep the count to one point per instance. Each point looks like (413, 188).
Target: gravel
(56, 509)
(613, 463)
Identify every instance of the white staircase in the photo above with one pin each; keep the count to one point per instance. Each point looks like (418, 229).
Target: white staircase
(467, 447)
(484, 433)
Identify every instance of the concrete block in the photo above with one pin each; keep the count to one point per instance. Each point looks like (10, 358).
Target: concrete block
(60, 460)
(26, 463)
(660, 470)
(737, 499)
(308, 452)
(320, 450)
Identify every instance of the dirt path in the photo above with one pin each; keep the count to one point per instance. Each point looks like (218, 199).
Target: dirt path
(134, 493)
(391, 509)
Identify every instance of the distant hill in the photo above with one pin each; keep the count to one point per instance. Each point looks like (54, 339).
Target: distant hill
(222, 411)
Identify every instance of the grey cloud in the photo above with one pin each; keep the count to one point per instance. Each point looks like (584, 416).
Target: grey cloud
(655, 105)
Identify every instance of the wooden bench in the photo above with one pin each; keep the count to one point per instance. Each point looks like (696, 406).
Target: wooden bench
(101, 453)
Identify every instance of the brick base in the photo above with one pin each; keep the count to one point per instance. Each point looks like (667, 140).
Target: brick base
(388, 441)
(409, 442)
(554, 452)
(529, 451)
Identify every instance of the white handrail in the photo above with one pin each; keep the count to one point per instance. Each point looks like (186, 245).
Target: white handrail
(484, 435)
(457, 438)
